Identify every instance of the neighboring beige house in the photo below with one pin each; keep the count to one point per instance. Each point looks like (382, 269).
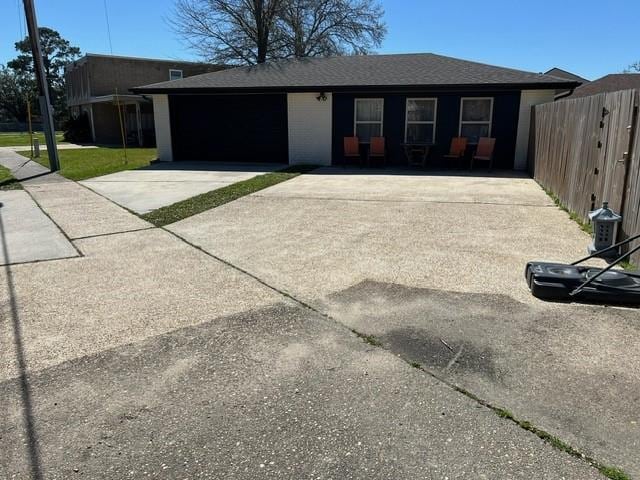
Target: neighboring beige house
(97, 83)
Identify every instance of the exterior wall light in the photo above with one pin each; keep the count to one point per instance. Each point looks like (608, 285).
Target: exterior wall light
(322, 97)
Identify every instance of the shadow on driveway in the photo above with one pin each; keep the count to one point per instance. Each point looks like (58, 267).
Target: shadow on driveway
(21, 361)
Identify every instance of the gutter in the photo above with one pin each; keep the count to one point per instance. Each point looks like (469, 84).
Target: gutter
(353, 88)
(564, 95)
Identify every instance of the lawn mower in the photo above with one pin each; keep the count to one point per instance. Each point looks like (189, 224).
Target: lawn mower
(574, 282)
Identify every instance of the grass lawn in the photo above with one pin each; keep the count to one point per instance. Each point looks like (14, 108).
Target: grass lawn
(7, 182)
(16, 139)
(215, 198)
(83, 163)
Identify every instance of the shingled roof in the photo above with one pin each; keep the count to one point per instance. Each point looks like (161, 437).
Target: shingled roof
(361, 72)
(609, 83)
(560, 73)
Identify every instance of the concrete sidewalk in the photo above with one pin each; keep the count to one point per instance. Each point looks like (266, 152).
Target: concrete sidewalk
(27, 234)
(43, 147)
(161, 184)
(21, 167)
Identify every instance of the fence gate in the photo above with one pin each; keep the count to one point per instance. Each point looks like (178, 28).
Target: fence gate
(616, 129)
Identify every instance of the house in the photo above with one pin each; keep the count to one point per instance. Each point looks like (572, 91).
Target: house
(94, 83)
(299, 111)
(560, 73)
(608, 83)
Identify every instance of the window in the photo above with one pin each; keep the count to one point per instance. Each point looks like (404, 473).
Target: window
(421, 120)
(475, 118)
(368, 118)
(175, 74)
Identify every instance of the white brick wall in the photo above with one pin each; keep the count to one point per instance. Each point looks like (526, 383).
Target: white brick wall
(163, 127)
(528, 98)
(309, 129)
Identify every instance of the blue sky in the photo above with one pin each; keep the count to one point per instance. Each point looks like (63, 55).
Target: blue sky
(588, 37)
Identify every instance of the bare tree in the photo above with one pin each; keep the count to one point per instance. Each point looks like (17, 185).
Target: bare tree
(228, 31)
(254, 31)
(633, 68)
(308, 28)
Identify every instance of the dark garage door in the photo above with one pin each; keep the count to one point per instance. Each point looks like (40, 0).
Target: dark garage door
(229, 128)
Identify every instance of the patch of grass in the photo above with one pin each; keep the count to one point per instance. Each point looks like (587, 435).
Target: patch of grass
(626, 265)
(613, 473)
(584, 226)
(83, 163)
(415, 365)
(501, 412)
(7, 182)
(370, 339)
(609, 472)
(17, 139)
(200, 203)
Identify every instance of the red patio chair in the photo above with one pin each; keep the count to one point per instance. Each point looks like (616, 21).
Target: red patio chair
(458, 148)
(352, 148)
(377, 149)
(484, 151)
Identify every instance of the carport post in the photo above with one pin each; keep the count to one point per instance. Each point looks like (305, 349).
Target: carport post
(45, 103)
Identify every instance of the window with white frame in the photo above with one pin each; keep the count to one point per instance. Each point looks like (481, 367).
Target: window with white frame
(421, 120)
(475, 118)
(175, 74)
(368, 118)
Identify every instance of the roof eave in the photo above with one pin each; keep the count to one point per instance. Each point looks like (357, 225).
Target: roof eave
(355, 88)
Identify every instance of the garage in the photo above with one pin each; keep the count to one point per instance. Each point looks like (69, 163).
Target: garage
(229, 128)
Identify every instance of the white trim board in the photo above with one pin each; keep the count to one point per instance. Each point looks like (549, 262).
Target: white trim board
(310, 128)
(528, 98)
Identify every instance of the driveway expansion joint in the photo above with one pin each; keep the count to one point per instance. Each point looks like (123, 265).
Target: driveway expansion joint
(112, 233)
(387, 200)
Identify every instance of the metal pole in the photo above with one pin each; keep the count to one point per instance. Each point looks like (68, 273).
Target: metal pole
(45, 103)
(603, 271)
(30, 126)
(608, 249)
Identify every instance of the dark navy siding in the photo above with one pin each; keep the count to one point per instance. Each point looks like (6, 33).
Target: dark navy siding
(504, 128)
(229, 128)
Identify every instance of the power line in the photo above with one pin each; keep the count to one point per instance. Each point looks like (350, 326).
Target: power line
(21, 20)
(117, 97)
(106, 17)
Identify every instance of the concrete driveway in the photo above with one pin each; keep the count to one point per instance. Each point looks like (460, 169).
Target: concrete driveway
(161, 184)
(433, 267)
(334, 228)
(150, 357)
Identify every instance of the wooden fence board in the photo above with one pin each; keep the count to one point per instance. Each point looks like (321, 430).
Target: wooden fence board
(579, 154)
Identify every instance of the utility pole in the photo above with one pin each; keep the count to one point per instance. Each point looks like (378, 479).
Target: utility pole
(45, 103)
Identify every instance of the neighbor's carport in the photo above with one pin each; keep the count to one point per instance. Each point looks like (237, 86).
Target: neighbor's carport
(231, 128)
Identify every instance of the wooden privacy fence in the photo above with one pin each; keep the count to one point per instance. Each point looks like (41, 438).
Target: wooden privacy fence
(587, 150)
